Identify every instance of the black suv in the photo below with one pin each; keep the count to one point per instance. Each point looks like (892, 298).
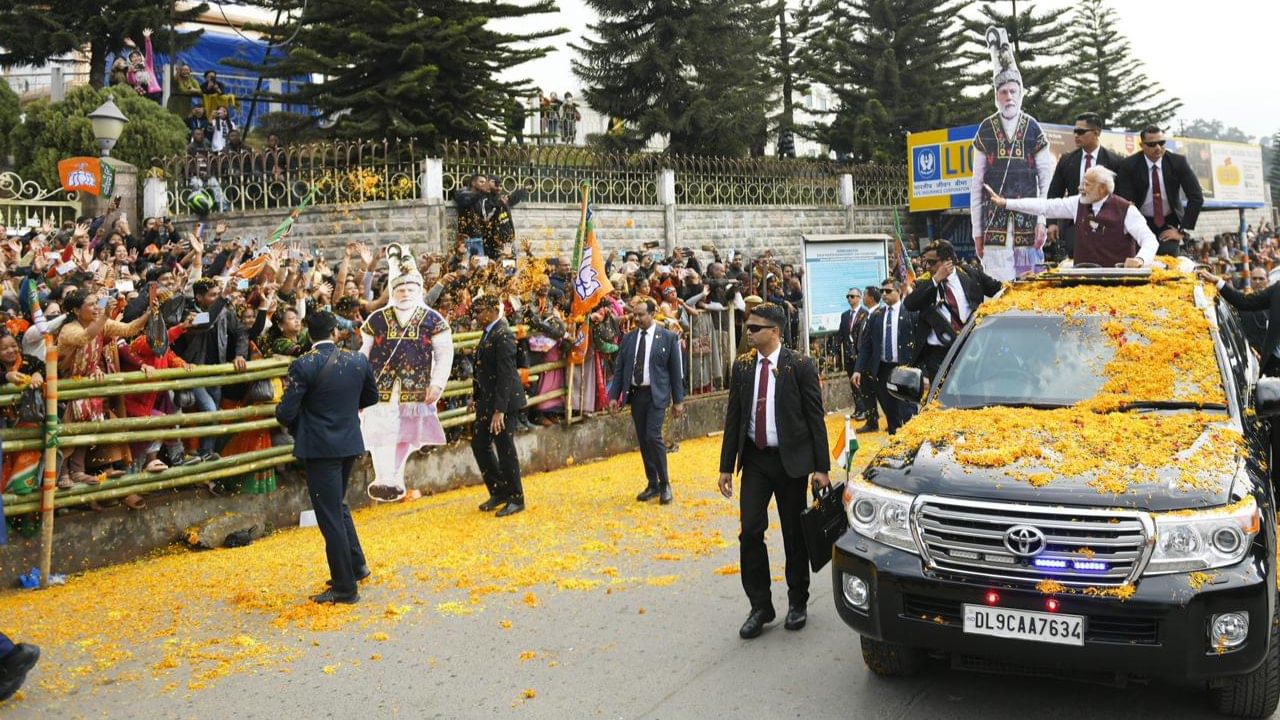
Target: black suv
(1000, 530)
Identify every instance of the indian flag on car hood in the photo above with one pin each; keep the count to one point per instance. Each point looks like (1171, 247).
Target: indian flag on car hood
(846, 446)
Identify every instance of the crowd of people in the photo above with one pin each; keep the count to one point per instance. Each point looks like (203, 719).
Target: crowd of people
(556, 119)
(134, 69)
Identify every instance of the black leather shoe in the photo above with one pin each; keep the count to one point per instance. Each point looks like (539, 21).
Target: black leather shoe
(755, 623)
(333, 596)
(649, 493)
(362, 574)
(869, 427)
(512, 508)
(15, 666)
(666, 497)
(491, 504)
(796, 617)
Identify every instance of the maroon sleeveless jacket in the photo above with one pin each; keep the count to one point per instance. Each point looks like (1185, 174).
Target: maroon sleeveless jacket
(1100, 238)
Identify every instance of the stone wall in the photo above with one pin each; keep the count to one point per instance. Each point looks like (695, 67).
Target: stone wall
(552, 228)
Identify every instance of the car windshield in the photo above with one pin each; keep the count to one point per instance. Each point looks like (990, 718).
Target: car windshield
(1031, 359)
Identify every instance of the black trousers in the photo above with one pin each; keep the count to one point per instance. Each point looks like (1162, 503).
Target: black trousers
(763, 477)
(501, 471)
(868, 392)
(931, 358)
(648, 421)
(896, 411)
(327, 485)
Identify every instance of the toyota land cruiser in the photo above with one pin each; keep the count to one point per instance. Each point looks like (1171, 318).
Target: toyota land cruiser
(1084, 494)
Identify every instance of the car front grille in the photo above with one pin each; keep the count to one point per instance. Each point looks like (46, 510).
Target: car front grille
(1082, 547)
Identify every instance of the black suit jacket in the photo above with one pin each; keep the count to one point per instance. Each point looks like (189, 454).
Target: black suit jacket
(496, 383)
(846, 337)
(1066, 182)
(871, 345)
(797, 412)
(1133, 180)
(322, 414)
(1264, 300)
(928, 299)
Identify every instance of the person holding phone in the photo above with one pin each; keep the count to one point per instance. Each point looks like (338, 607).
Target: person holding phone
(216, 337)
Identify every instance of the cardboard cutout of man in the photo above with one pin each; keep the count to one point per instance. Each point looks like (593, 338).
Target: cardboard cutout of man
(1010, 154)
(410, 349)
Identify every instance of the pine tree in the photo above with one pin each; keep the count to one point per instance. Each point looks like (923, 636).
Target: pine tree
(1037, 40)
(1105, 76)
(892, 65)
(391, 69)
(32, 33)
(694, 72)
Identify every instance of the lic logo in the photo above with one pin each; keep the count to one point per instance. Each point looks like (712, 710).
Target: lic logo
(926, 162)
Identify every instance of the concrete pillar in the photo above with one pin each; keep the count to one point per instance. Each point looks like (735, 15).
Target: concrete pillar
(431, 191)
(57, 83)
(846, 202)
(667, 199)
(126, 188)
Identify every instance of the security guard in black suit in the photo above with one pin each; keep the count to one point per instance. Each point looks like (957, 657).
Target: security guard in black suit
(327, 388)
(497, 395)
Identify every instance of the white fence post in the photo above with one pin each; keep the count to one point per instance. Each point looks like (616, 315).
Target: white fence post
(846, 201)
(667, 198)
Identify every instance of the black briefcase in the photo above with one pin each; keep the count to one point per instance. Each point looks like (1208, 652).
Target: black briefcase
(823, 523)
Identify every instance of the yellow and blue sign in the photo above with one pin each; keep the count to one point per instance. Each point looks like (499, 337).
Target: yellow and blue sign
(1230, 174)
(941, 165)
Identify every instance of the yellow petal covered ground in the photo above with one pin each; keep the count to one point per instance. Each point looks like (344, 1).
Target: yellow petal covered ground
(191, 618)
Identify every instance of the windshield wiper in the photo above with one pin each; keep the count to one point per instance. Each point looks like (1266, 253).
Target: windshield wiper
(1018, 404)
(1170, 405)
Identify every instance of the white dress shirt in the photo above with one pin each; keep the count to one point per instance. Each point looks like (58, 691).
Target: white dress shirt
(1148, 202)
(648, 336)
(953, 282)
(770, 424)
(891, 319)
(1065, 208)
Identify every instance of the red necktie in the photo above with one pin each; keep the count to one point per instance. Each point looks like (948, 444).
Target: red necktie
(762, 398)
(1088, 162)
(953, 307)
(1157, 204)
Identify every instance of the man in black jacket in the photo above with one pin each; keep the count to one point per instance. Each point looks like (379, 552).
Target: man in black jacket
(1070, 171)
(845, 341)
(1267, 301)
(328, 387)
(775, 434)
(1172, 204)
(215, 338)
(888, 341)
(945, 300)
(497, 395)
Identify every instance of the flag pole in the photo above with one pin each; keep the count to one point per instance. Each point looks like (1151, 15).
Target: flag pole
(575, 321)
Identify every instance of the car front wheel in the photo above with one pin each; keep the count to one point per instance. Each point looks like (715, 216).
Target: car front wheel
(1253, 695)
(891, 659)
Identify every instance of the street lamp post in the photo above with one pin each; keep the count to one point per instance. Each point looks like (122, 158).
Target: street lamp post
(108, 123)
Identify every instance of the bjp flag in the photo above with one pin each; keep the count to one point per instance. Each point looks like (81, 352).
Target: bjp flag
(590, 282)
(86, 174)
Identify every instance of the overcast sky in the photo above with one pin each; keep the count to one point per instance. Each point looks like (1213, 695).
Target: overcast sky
(1218, 56)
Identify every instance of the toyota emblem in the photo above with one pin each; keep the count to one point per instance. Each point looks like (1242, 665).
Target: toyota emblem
(1024, 540)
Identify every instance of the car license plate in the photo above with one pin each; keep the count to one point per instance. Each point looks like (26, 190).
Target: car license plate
(1024, 624)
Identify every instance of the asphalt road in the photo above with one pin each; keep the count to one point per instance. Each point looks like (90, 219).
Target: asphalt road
(638, 650)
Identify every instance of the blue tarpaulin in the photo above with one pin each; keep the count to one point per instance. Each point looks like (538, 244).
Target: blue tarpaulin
(209, 52)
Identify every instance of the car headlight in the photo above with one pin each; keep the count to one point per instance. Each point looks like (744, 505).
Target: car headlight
(880, 514)
(1201, 540)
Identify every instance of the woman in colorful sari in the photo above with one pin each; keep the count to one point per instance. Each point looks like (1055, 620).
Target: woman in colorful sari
(21, 468)
(86, 350)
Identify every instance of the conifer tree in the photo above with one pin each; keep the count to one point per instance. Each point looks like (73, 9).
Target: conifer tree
(894, 67)
(1105, 77)
(695, 73)
(404, 68)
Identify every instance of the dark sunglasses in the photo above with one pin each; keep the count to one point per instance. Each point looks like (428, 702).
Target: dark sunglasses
(1154, 143)
(852, 297)
(757, 328)
(1082, 131)
(888, 289)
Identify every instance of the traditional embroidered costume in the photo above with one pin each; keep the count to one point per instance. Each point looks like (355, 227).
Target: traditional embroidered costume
(410, 348)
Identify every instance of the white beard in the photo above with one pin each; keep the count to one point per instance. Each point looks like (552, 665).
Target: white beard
(404, 309)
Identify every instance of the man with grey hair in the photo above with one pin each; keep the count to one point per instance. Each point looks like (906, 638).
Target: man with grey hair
(1110, 231)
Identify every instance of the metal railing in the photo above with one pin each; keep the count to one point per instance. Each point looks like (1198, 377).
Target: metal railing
(357, 171)
(21, 200)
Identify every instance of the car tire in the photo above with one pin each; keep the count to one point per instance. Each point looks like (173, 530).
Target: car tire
(1255, 694)
(891, 659)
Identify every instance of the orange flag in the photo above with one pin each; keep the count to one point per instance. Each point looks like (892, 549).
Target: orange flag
(590, 282)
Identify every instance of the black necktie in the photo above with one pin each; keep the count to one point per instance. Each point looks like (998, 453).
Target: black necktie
(637, 377)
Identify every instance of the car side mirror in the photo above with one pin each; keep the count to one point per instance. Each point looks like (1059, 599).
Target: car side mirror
(907, 383)
(1266, 397)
